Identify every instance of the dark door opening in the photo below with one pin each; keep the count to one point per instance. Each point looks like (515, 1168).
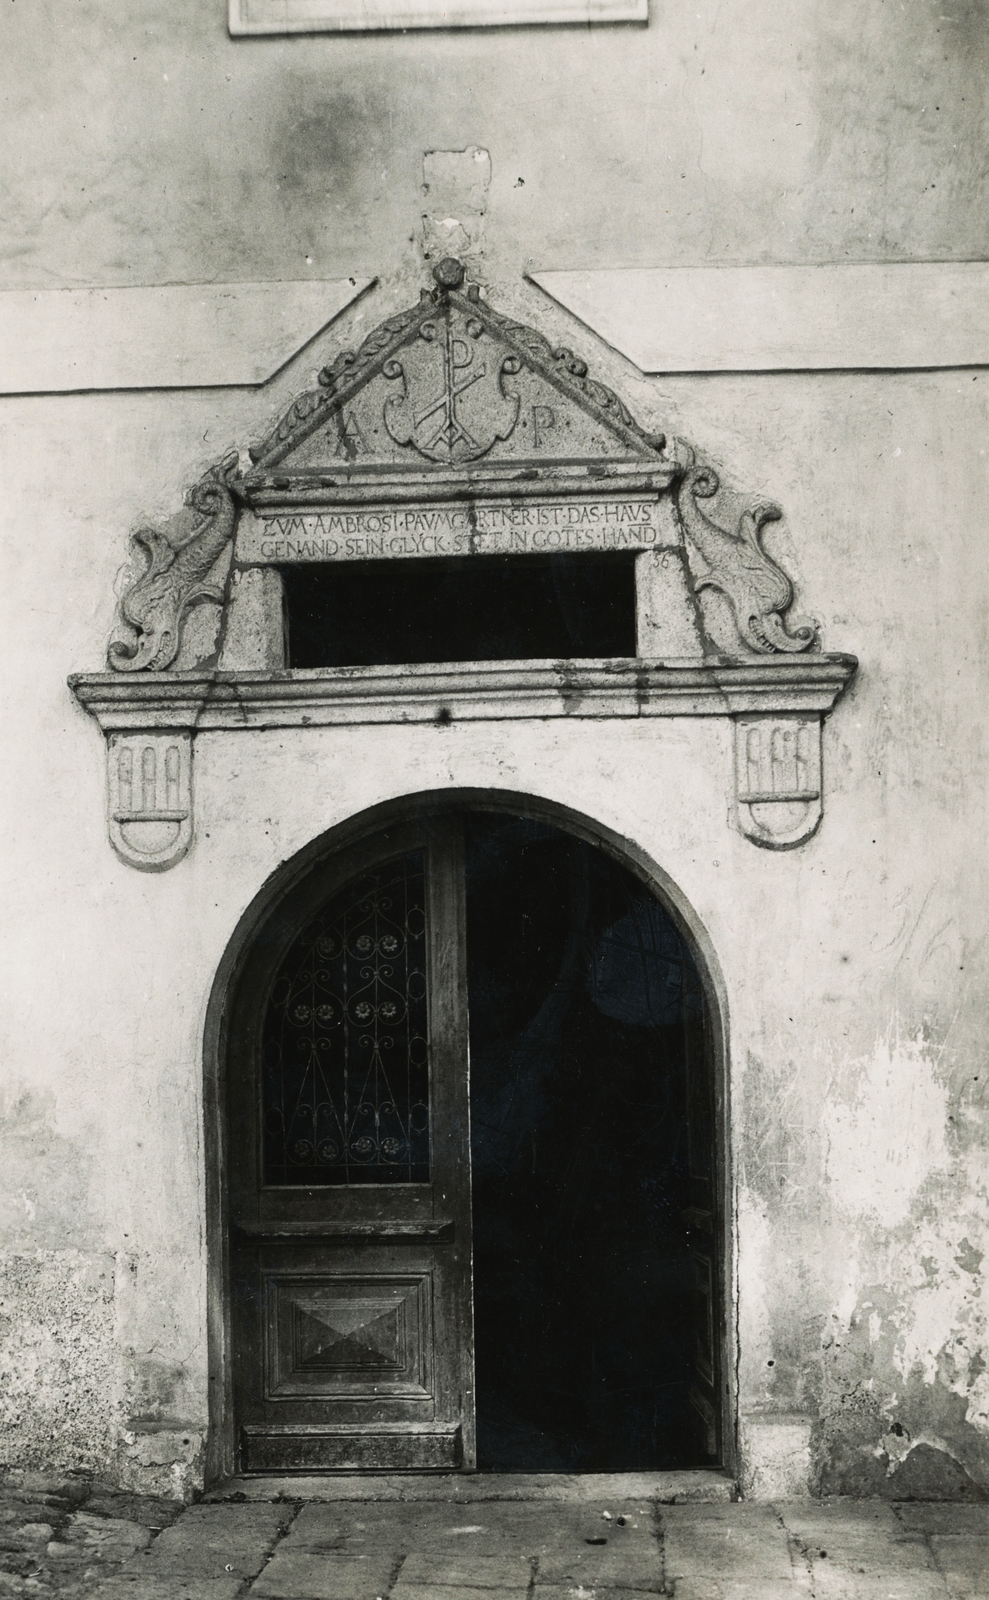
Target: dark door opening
(472, 1026)
(591, 1141)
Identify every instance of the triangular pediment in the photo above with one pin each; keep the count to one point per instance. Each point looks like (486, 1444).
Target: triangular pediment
(452, 386)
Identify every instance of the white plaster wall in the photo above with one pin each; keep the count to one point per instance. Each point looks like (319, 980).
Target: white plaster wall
(854, 967)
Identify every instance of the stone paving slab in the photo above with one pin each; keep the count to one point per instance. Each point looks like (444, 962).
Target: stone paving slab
(313, 1575)
(474, 1572)
(832, 1582)
(603, 1569)
(436, 1591)
(713, 1550)
(816, 1518)
(491, 1529)
(739, 1514)
(736, 1589)
(160, 1588)
(964, 1560)
(870, 1554)
(943, 1516)
(76, 1539)
(214, 1542)
(568, 1591)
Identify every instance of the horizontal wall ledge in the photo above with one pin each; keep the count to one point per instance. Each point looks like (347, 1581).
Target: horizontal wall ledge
(181, 336)
(471, 691)
(766, 319)
(361, 16)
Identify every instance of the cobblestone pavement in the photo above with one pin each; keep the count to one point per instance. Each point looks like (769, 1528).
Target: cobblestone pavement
(73, 1537)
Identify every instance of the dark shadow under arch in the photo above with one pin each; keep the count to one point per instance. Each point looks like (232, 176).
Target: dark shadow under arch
(280, 887)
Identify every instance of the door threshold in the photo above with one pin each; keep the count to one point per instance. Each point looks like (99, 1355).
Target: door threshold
(463, 1488)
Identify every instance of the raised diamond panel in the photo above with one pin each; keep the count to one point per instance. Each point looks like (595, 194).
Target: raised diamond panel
(348, 1335)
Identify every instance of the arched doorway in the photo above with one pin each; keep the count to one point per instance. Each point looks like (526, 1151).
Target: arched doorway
(472, 1179)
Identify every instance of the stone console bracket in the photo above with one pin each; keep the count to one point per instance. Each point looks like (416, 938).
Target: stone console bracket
(150, 721)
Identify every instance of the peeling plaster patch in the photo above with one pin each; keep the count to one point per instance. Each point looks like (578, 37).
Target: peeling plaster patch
(887, 1137)
(923, 1318)
(943, 1326)
(455, 189)
(844, 1311)
(968, 1258)
(58, 1404)
(51, 1196)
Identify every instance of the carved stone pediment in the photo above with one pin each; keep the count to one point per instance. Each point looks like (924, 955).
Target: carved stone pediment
(457, 431)
(449, 384)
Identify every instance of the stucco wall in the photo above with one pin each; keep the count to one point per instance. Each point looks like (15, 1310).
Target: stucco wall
(154, 149)
(853, 966)
(146, 146)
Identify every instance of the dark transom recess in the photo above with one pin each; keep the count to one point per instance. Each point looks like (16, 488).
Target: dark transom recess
(345, 1071)
(475, 608)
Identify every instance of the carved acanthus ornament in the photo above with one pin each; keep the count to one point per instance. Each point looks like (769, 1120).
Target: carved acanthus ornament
(735, 563)
(176, 577)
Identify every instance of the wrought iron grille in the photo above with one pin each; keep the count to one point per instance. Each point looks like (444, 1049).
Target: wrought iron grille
(345, 1067)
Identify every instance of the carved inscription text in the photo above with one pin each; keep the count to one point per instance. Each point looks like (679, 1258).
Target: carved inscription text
(384, 533)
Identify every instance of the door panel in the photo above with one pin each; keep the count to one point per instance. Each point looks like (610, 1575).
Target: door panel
(350, 1169)
(349, 1336)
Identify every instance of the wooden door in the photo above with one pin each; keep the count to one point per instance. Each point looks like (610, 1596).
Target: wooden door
(349, 1151)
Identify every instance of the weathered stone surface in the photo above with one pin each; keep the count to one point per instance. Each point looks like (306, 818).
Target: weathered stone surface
(813, 1518)
(149, 1510)
(212, 1541)
(68, 1541)
(940, 1516)
(838, 1583)
(160, 1587)
(314, 1575)
(712, 1550)
(399, 1550)
(518, 1490)
(596, 1567)
(463, 1571)
(109, 1538)
(61, 1340)
(733, 1589)
(437, 1591)
(964, 1561)
(867, 1553)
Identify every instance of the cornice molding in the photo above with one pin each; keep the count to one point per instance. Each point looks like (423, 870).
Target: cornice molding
(229, 702)
(877, 316)
(168, 336)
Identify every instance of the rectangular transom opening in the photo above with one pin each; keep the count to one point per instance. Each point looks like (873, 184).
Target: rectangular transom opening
(474, 608)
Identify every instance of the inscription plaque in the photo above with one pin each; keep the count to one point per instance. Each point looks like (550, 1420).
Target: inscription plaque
(457, 528)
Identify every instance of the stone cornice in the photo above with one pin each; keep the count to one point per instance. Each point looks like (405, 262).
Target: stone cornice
(207, 701)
